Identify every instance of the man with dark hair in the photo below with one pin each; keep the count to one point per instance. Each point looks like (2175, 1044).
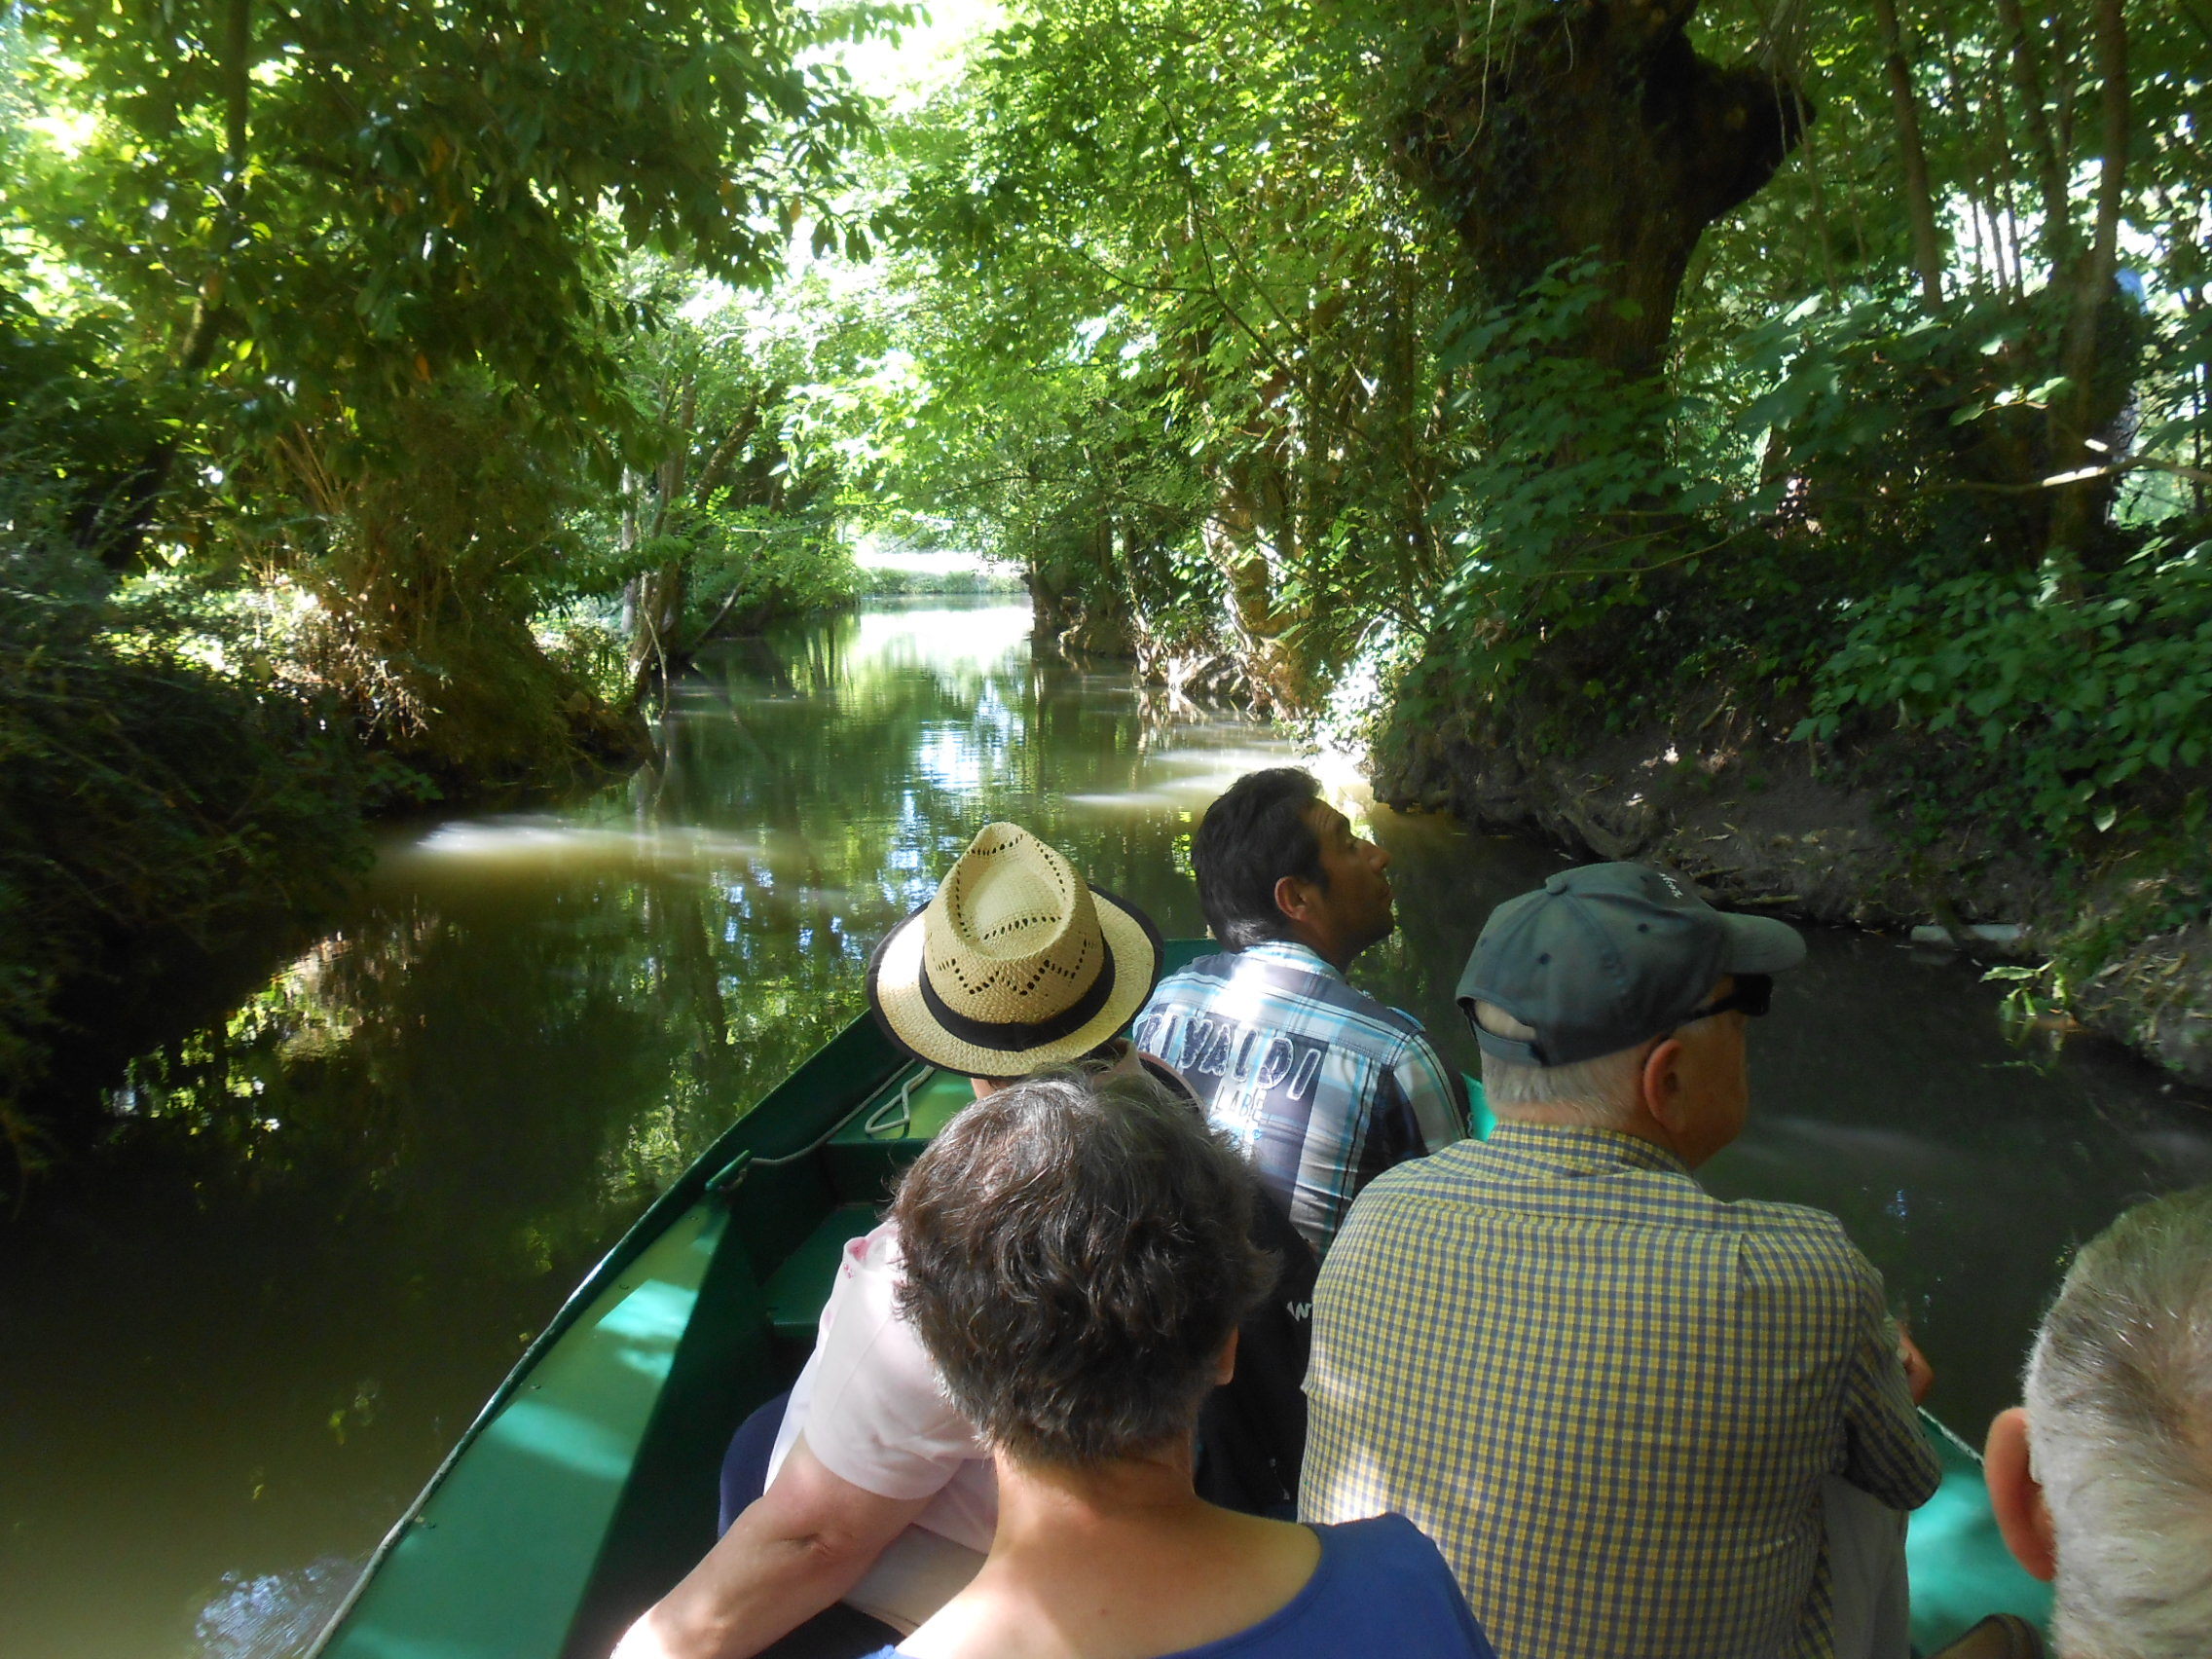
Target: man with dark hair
(1319, 1084)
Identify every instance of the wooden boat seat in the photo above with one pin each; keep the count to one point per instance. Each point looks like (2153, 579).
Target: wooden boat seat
(864, 1156)
(862, 1160)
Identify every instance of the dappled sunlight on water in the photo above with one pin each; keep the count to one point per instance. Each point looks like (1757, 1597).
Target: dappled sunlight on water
(274, 1616)
(532, 847)
(326, 1223)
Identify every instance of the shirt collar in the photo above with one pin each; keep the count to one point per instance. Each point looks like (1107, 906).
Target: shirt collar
(1584, 1146)
(1293, 954)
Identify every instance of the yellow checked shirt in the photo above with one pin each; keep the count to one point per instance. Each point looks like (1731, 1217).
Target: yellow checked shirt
(1609, 1399)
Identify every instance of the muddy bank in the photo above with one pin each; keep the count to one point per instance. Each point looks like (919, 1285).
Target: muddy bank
(1759, 825)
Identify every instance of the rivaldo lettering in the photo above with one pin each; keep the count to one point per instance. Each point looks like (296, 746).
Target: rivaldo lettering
(1250, 1057)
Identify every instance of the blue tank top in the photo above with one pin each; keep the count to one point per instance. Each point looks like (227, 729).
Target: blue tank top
(1381, 1587)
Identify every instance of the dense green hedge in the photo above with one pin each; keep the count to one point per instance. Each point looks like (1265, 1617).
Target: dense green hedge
(2069, 690)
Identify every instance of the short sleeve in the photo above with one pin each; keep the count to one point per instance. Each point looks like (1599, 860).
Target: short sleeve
(1388, 1591)
(875, 1415)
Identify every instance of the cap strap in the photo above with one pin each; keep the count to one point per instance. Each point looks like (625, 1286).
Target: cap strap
(1513, 1049)
(1013, 1036)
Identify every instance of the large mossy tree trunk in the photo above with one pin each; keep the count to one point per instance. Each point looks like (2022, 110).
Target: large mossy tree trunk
(1595, 128)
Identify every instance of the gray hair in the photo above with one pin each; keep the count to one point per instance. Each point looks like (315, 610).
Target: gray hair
(2119, 1432)
(1601, 1092)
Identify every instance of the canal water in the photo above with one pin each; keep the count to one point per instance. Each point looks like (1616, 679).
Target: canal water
(238, 1337)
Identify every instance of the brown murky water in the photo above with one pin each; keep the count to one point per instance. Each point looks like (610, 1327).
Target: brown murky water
(236, 1340)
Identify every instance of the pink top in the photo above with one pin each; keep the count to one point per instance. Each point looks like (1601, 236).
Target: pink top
(873, 1413)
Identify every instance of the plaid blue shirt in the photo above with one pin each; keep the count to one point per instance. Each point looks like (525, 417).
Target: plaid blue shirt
(1321, 1086)
(1609, 1398)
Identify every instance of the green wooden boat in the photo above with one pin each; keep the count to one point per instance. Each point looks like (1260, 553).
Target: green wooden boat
(587, 1484)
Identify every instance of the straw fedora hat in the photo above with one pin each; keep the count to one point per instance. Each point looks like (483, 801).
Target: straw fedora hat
(1017, 963)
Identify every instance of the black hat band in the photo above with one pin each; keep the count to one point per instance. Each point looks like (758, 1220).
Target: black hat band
(1011, 1037)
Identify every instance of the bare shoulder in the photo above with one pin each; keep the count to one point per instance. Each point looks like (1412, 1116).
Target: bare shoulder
(1128, 1602)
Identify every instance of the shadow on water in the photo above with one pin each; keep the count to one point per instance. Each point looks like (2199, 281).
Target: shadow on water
(235, 1338)
(318, 1226)
(1883, 1089)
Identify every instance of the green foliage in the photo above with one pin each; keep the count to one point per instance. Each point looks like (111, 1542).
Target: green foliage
(2125, 944)
(583, 641)
(1571, 491)
(144, 793)
(747, 471)
(2073, 691)
(1910, 437)
(758, 566)
(879, 581)
(411, 583)
(1652, 542)
(1186, 346)
(361, 199)
(72, 429)
(1174, 329)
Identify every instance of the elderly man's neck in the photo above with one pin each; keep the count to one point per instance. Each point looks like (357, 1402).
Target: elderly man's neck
(1577, 1115)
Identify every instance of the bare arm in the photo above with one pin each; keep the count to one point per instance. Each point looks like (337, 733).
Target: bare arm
(810, 1538)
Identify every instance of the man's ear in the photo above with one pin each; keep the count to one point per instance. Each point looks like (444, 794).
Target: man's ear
(1291, 898)
(1225, 1367)
(1662, 1085)
(2015, 1496)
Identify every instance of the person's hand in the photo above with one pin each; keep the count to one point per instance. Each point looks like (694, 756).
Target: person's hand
(1919, 1375)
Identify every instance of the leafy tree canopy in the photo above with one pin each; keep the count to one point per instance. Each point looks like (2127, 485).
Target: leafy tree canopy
(327, 203)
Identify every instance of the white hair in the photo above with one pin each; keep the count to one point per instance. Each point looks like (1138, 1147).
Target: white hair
(2120, 1431)
(1601, 1092)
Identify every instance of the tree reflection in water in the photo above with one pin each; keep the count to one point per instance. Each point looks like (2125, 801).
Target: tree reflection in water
(234, 1344)
(328, 1222)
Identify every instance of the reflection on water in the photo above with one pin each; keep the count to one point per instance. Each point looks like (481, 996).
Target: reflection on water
(234, 1345)
(1884, 1091)
(274, 1615)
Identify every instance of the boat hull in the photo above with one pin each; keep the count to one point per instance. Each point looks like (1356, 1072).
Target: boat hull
(587, 1484)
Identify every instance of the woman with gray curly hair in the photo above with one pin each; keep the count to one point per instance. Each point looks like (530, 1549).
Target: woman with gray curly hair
(1077, 1262)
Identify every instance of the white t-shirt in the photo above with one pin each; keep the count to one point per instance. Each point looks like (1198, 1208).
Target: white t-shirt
(873, 1412)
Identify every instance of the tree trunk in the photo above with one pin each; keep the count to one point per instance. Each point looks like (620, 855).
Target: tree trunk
(654, 600)
(2050, 165)
(2080, 503)
(119, 547)
(1920, 208)
(1598, 128)
(653, 603)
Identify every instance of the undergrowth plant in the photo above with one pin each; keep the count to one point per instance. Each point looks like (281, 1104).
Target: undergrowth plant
(146, 795)
(2071, 691)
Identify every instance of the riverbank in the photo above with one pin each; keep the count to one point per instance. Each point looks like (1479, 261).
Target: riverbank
(2092, 941)
(166, 826)
(205, 834)
(325, 1210)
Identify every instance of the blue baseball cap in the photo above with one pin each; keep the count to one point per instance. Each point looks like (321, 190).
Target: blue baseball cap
(1606, 956)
